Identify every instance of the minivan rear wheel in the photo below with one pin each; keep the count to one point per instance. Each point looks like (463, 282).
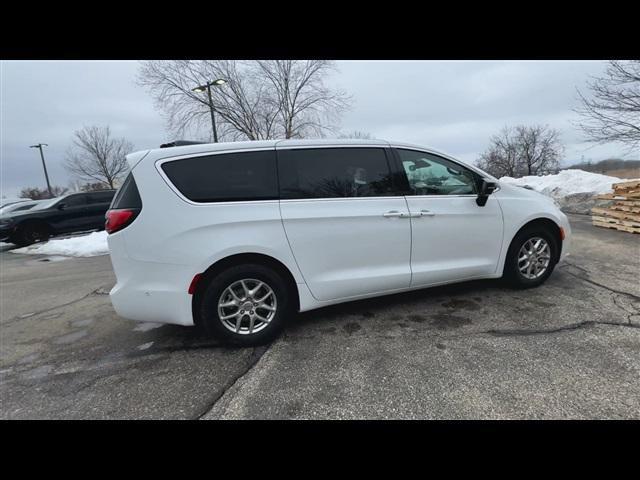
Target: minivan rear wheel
(245, 305)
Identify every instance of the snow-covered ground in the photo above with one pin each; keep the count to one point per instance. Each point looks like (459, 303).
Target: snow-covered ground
(573, 189)
(567, 182)
(83, 246)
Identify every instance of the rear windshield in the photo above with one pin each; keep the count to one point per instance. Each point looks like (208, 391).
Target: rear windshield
(127, 196)
(226, 176)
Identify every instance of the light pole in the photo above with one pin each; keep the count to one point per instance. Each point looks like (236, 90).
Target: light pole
(207, 86)
(46, 175)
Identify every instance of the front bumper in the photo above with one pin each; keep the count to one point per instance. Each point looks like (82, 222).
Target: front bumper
(566, 243)
(6, 231)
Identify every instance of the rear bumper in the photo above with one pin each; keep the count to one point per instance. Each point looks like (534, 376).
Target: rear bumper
(149, 291)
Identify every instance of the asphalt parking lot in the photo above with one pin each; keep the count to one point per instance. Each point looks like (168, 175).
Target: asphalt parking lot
(568, 349)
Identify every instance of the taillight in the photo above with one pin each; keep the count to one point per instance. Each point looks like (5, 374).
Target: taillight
(119, 218)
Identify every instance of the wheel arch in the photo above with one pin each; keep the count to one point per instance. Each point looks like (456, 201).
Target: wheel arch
(547, 224)
(34, 221)
(238, 259)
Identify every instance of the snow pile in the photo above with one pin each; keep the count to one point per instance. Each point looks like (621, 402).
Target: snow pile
(567, 182)
(84, 246)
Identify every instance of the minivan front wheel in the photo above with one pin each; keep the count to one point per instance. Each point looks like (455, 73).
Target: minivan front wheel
(245, 305)
(531, 257)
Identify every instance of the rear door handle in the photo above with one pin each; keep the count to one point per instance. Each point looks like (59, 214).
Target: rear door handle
(394, 213)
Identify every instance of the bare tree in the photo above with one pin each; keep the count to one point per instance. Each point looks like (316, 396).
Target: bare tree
(93, 187)
(357, 134)
(98, 157)
(613, 112)
(538, 148)
(500, 158)
(523, 150)
(35, 193)
(261, 99)
(305, 105)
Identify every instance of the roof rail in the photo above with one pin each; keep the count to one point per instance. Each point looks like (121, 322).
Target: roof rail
(179, 143)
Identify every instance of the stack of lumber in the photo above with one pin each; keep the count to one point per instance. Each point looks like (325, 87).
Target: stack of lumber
(624, 213)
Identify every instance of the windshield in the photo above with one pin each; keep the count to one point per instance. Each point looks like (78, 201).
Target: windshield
(16, 207)
(47, 204)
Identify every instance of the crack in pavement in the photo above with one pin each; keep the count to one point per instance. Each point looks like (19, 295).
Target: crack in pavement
(588, 280)
(615, 294)
(254, 358)
(40, 312)
(574, 326)
(630, 313)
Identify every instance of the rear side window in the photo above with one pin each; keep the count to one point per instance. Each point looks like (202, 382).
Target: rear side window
(334, 172)
(75, 200)
(100, 197)
(127, 196)
(226, 176)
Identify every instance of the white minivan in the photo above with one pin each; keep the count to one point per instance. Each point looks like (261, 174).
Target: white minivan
(236, 237)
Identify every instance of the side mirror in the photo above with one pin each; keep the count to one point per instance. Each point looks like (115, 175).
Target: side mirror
(486, 189)
(61, 206)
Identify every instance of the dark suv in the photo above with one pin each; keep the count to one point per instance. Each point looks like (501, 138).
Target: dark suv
(71, 213)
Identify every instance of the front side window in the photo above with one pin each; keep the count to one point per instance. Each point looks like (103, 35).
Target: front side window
(430, 174)
(334, 173)
(225, 176)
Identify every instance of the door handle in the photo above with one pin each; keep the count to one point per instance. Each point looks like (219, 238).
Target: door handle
(393, 213)
(422, 213)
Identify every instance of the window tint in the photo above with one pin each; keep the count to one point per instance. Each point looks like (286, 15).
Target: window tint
(74, 200)
(432, 175)
(127, 196)
(100, 197)
(334, 172)
(226, 176)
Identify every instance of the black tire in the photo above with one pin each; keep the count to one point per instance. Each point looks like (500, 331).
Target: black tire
(210, 294)
(512, 274)
(30, 233)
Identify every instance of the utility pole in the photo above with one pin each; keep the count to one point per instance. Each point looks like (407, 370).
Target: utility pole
(207, 87)
(46, 175)
(213, 118)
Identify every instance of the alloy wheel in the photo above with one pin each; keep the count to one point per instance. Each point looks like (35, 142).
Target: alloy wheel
(247, 306)
(534, 258)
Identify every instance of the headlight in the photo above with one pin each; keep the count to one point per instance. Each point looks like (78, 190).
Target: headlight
(5, 222)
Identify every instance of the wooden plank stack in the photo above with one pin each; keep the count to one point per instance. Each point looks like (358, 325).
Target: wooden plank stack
(624, 213)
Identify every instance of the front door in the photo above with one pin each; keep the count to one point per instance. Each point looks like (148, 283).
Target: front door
(348, 229)
(453, 238)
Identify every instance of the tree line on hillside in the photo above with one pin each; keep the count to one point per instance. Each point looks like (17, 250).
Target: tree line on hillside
(606, 165)
(267, 99)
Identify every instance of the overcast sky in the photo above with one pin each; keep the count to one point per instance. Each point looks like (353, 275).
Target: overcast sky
(452, 106)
